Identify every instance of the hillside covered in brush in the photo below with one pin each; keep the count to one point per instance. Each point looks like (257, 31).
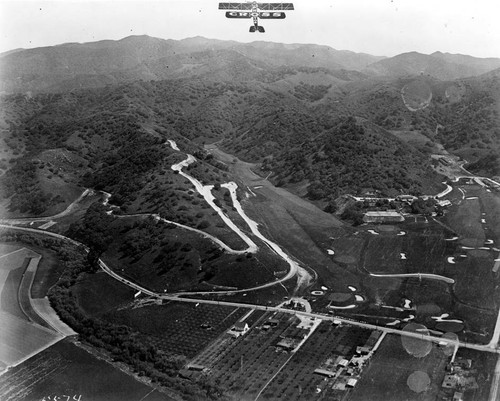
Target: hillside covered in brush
(112, 139)
(324, 127)
(352, 157)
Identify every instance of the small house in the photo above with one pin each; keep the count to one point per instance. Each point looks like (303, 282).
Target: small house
(241, 327)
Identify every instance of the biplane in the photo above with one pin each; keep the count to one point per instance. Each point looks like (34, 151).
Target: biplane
(256, 10)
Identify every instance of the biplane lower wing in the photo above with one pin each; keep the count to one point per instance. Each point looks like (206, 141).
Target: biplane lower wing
(238, 14)
(264, 15)
(268, 15)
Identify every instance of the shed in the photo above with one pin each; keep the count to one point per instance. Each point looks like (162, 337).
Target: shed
(343, 362)
(352, 382)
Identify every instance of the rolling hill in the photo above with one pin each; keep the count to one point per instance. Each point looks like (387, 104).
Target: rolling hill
(436, 65)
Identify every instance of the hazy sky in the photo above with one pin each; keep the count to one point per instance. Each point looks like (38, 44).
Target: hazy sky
(379, 27)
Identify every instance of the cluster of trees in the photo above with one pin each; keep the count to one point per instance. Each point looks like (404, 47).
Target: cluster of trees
(423, 206)
(486, 165)
(123, 171)
(310, 92)
(21, 184)
(95, 230)
(347, 159)
(471, 122)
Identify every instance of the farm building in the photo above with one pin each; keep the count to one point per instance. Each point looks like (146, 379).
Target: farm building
(239, 329)
(325, 372)
(363, 350)
(382, 217)
(352, 382)
(343, 363)
(241, 326)
(288, 343)
(196, 367)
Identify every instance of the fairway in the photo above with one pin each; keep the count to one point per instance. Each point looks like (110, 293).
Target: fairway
(386, 377)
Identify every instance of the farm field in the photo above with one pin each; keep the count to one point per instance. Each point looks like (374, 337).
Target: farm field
(23, 332)
(245, 364)
(21, 339)
(67, 370)
(174, 327)
(297, 381)
(178, 328)
(12, 274)
(254, 363)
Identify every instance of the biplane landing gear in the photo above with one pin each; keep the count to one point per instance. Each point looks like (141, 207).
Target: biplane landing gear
(257, 29)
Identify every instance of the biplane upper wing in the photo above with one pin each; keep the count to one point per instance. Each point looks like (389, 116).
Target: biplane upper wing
(235, 6)
(261, 6)
(275, 6)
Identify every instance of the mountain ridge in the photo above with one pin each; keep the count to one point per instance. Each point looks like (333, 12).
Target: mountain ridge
(71, 66)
